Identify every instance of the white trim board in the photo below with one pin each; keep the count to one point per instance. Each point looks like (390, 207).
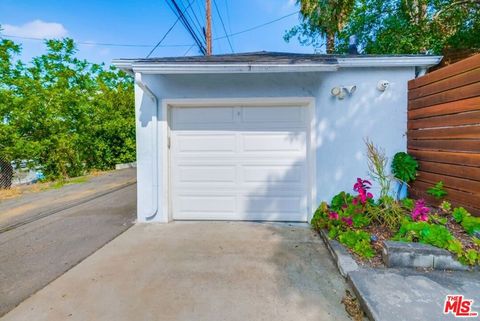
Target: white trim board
(152, 67)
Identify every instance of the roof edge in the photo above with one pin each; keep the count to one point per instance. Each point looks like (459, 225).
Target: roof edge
(400, 61)
(133, 65)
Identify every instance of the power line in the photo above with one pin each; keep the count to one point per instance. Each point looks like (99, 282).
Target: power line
(223, 25)
(257, 26)
(196, 18)
(228, 16)
(198, 25)
(168, 31)
(163, 46)
(101, 44)
(178, 12)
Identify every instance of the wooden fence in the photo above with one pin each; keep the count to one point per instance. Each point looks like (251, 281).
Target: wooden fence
(444, 132)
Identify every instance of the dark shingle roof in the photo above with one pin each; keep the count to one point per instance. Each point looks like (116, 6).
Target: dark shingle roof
(262, 57)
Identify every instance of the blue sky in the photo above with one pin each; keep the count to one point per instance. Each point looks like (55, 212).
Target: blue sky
(144, 23)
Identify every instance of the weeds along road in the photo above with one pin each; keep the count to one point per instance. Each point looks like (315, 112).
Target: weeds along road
(38, 243)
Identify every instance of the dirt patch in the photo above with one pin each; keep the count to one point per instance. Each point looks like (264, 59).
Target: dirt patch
(352, 306)
(6, 194)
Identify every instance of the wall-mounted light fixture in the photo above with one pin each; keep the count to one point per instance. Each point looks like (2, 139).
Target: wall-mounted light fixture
(382, 85)
(342, 91)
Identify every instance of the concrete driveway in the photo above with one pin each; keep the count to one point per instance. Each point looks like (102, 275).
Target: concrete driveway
(197, 271)
(38, 244)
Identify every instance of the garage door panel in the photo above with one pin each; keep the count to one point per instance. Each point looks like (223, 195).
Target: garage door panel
(205, 143)
(271, 204)
(211, 203)
(292, 115)
(206, 174)
(191, 117)
(274, 142)
(272, 174)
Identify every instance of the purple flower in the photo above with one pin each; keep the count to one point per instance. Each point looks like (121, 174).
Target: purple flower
(347, 220)
(361, 187)
(333, 215)
(420, 211)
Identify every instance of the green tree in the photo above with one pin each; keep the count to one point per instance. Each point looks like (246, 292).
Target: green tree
(409, 26)
(321, 19)
(62, 114)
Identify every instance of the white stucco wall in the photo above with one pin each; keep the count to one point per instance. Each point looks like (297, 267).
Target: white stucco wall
(341, 125)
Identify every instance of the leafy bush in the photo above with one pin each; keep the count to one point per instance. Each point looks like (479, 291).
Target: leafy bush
(436, 235)
(404, 167)
(446, 206)
(437, 191)
(344, 216)
(387, 212)
(408, 203)
(423, 232)
(358, 242)
(469, 223)
(340, 200)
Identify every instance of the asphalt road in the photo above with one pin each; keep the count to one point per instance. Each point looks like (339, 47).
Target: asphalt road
(34, 254)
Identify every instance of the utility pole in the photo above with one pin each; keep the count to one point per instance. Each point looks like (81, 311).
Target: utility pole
(208, 33)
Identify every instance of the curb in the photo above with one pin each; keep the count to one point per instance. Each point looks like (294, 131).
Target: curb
(344, 261)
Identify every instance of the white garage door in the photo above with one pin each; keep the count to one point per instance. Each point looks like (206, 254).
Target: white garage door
(239, 163)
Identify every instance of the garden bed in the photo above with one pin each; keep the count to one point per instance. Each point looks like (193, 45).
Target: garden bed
(362, 223)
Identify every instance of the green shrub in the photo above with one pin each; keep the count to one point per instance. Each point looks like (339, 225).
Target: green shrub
(358, 242)
(469, 223)
(446, 206)
(423, 232)
(436, 235)
(408, 203)
(470, 257)
(437, 191)
(340, 200)
(387, 212)
(404, 167)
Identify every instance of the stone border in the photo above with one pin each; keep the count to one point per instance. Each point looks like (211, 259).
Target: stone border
(126, 165)
(344, 261)
(418, 255)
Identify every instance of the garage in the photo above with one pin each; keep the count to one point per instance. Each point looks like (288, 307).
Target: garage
(263, 136)
(239, 163)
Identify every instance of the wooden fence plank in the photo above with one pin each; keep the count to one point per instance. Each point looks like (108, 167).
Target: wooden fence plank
(417, 194)
(465, 105)
(449, 71)
(468, 146)
(472, 90)
(459, 80)
(468, 118)
(467, 159)
(460, 184)
(468, 199)
(463, 132)
(468, 172)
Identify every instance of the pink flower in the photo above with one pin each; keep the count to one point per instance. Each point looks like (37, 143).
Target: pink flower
(347, 220)
(333, 215)
(362, 186)
(420, 211)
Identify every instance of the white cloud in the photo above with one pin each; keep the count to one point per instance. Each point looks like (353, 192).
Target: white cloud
(36, 29)
(290, 4)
